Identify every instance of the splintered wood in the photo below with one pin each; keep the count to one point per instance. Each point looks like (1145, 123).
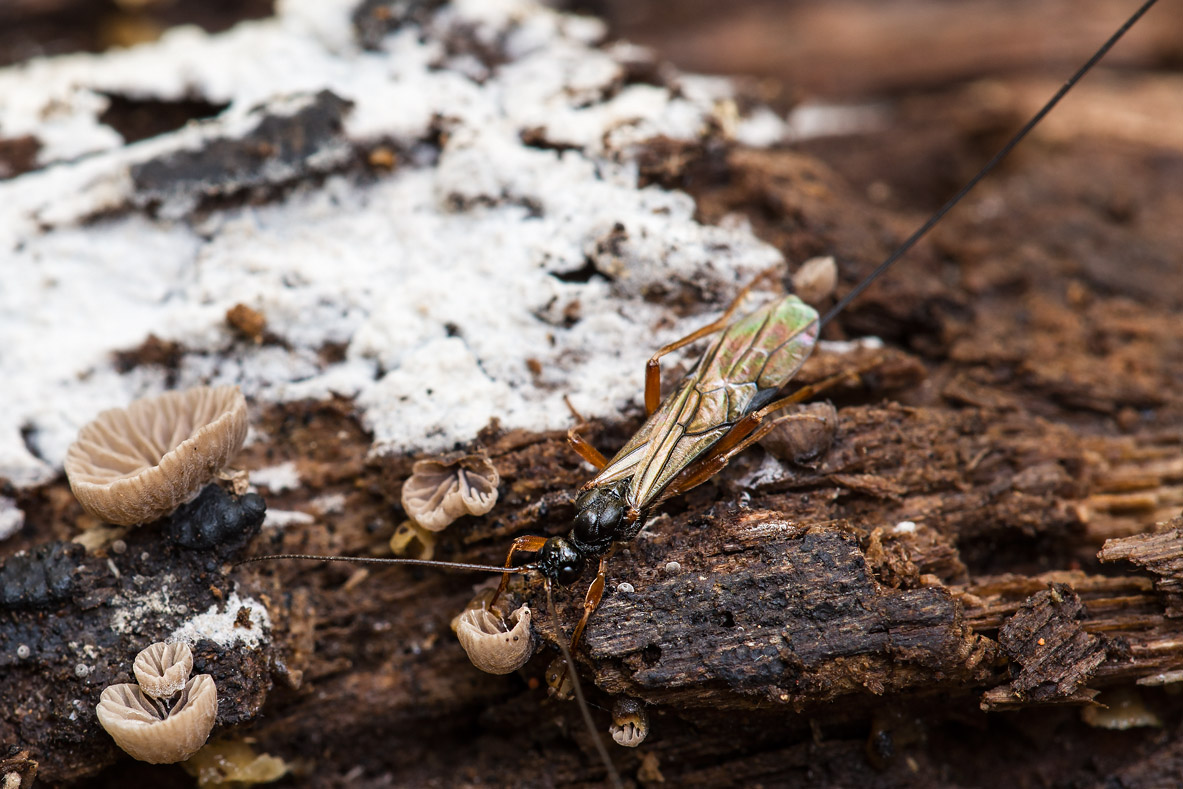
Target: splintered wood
(1048, 643)
(1162, 554)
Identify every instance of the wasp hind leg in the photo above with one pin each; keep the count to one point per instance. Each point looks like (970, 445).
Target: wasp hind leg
(746, 432)
(653, 366)
(580, 444)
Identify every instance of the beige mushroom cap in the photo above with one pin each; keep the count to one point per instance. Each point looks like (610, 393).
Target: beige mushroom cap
(162, 669)
(149, 731)
(489, 645)
(440, 491)
(136, 464)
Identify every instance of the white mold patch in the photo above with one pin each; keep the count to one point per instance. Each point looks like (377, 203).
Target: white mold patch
(445, 280)
(226, 625)
(278, 519)
(277, 479)
(133, 609)
(12, 517)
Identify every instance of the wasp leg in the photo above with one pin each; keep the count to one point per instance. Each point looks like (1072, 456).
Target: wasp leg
(526, 543)
(653, 366)
(746, 432)
(591, 601)
(579, 443)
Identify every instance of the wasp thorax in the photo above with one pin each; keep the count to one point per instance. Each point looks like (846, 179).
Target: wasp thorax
(561, 561)
(598, 513)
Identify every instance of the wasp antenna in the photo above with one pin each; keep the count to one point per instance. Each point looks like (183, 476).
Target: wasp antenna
(488, 568)
(613, 776)
(989, 166)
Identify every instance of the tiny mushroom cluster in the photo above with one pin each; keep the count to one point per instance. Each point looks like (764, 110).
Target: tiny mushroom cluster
(439, 491)
(168, 716)
(630, 723)
(137, 464)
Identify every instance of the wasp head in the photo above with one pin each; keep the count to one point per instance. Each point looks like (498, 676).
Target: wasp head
(561, 561)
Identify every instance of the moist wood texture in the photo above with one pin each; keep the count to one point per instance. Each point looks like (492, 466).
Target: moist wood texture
(921, 605)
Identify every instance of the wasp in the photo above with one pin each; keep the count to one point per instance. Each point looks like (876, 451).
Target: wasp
(728, 400)
(718, 409)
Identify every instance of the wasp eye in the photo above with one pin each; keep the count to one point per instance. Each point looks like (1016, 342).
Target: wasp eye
(560, 561)
(569, 573)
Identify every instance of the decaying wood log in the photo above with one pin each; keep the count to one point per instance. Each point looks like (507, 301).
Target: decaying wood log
(921, 604)
(1162, 554)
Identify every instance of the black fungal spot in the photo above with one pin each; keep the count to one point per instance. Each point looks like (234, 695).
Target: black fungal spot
(44, 575)
(374, 20)
(580, 275)
(139, 119)
(215, 519)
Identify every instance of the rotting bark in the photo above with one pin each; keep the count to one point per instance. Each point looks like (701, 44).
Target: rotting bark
(831, 624)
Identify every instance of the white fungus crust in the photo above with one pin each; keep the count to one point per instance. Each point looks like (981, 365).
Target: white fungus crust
(440, 277)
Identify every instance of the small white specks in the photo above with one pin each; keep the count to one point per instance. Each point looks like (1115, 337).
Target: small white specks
(672, 567)
(277, 479)
(848, 346)
(329, 504)
(12, 517)
(625, 588)
(904, 527)
(23, 651)
(278, 519)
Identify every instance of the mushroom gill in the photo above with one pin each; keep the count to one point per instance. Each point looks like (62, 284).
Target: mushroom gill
(158, 731)
(136, 464)
(162, 669)
(440, 491)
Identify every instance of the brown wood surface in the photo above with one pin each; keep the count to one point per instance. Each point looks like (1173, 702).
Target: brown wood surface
(783, 627)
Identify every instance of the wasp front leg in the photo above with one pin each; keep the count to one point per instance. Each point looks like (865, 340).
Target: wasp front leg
(528, 543)
(557, 674)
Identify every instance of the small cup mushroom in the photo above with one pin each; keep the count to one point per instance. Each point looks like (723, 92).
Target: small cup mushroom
(412, 540)
(156, 731)
(158, 728)
(805, 437)
(163, 669)
(134, 465)
(492, 646)
(816, 280)
(630, 723)
(558, 680)
(442, 490)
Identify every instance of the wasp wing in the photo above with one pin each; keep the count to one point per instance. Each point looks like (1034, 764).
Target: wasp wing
(741, 372)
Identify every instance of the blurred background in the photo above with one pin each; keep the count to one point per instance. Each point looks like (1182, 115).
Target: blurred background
(923, 89)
